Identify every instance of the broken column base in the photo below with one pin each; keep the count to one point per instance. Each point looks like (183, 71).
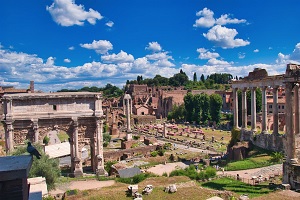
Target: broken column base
(291, 175)
(100, 171)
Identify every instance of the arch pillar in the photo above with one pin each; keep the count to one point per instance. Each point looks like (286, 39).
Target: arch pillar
(78, 171)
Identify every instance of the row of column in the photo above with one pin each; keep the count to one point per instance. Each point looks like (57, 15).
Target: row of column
(253, 109)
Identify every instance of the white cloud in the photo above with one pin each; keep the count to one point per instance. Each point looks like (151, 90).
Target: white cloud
(256, 50)
(206, 18)
(100, 46)
(67, 13)
(214, 61)
(225, 19)
(241, 55)
(67, 60)
(159, 56)
(154, 46)
(224, 37)
(294, 57)
(109, 24)
(121, 57)
(205, 54)
(71, 48)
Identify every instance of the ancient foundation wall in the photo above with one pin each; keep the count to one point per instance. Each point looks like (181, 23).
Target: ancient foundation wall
(118, 155)
(266, 141)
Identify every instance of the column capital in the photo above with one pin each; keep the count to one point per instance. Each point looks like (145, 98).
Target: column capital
(75, 121)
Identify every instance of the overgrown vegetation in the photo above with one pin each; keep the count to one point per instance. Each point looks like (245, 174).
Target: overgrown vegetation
(63, 136)
(237, 187)
(258, 157)
(108, 91)
(136, 179)
(192, 173)
(45, 166)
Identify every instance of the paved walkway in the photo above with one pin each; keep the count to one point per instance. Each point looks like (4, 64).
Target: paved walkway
(249, 173)
(53, 137)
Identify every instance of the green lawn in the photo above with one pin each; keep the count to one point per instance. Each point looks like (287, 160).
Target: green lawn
(237, 187)
(62, 135)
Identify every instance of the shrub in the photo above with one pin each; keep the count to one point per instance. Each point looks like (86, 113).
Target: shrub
(45, 166)
(106, 137)
(165, 174)
(134, 145)
(105, 144)
(46, 140)
(136, 137)
(154, 153)
(210, 172)
(161, 152)
(108, 164)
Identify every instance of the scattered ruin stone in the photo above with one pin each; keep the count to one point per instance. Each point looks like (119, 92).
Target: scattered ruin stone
(171, 188)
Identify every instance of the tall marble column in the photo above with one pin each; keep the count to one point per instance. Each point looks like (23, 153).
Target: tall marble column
(289, 121)
(264, 110)
(253, 109)
(297, 107)
(244, 108)
(77, 160)
(275, 110)
(235, 108)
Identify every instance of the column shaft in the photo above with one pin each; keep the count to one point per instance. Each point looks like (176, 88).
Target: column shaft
(244, 108)
(290, 147)
(275, 110)
(235, 108)
(75, 135)
(264, 110)
(253, 109)
(297, 107)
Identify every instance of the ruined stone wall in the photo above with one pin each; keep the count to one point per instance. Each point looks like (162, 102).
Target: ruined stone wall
(118, 155)
(266, 141)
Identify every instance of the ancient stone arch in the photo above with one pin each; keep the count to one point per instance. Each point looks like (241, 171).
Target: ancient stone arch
(32, 116)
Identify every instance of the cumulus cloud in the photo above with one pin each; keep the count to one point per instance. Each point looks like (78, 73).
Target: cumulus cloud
(205, 54)
(121, 57)
(154, 46)
(109, 24)
(67, 60)
(67, 13)
(225, 19)
(255, 50)
(159, 56)
(100, 46)
(294, 57)
(224, 37)
(207, 19)
(71, 48)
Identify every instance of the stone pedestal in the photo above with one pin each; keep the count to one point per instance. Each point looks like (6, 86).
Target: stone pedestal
(100, 171)
(78, 172)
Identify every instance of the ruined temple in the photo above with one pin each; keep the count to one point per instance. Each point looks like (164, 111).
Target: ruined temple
(290, 141)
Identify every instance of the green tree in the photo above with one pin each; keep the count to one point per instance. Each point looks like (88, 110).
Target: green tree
(197, 108)
(195, 77)
(45, 166)
(215, 107)
(189, 106)
(205, 105)
(202, 78)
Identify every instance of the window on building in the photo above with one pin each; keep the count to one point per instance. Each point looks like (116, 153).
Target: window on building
(282, 107)
(54, 107)
(279, 107)
(270, 106)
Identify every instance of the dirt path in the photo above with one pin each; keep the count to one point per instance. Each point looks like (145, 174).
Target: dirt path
(82, 185)
(167, 168)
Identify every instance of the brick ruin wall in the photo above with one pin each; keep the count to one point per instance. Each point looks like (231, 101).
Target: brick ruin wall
(118, 155)
(266, 141)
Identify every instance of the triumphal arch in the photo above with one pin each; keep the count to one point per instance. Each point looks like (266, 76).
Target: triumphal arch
(291, 139)
(30, 116)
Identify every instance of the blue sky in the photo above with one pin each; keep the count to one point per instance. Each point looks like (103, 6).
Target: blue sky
(72, 44)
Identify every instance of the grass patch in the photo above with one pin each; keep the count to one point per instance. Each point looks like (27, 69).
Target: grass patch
(237, 187)
(258, 158)
(62, 135)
